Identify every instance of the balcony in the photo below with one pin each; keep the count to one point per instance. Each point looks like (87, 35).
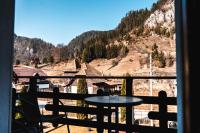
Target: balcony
(158, 111)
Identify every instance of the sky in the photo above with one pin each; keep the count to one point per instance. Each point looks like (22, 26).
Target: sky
(59, 21)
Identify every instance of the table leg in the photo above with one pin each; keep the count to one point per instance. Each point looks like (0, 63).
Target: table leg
(109, 118)
(116, 117)
(128, 118)
(100, 117)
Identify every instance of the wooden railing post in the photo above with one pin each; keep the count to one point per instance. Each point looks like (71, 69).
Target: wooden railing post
(55, 102)
(33, 84)
(129, 117)
(163, 108)
(100, 115)
(116, 117)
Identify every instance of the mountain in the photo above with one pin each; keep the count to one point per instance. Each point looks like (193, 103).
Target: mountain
(88, 39)
(162, 20)
(157, 38)
(27, 49)
(140, 22)
(125, 49)
(163, 17)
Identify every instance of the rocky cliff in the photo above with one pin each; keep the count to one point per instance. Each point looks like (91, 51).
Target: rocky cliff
(163, 17)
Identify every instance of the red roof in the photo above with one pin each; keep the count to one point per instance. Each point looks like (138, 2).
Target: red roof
(27, 71)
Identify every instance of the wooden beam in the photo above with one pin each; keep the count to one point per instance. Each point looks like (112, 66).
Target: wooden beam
(6, 50)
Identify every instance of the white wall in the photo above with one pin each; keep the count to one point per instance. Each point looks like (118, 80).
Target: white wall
(90, 90)
(73, 89)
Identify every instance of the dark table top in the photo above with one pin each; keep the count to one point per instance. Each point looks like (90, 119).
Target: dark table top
(114, 100)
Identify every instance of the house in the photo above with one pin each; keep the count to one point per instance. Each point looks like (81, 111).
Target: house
(92, 84)
(86, 70)
(21, 70)
(110, 86)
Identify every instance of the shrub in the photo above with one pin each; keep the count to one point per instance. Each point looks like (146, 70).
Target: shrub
(170, 60)
(124, 50)
(158, 58)
(123, 93)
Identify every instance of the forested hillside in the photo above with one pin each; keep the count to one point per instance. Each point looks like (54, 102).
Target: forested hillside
(86, 45)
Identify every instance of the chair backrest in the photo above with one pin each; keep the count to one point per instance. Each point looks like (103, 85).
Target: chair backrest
(30, 108)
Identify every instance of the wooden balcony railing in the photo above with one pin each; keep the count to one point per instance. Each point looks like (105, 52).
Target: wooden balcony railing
(162, 101)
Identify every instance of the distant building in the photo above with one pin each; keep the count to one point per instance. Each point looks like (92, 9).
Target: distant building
(27, 71)
(20, 70)
(92, 84)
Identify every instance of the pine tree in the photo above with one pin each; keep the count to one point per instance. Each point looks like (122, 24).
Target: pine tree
(51, 59)
(99, 51)
(85, 55)
(155, 53)
(162, 60)
(123, 93)
(123, 51)
(44, 60)
(82, 89)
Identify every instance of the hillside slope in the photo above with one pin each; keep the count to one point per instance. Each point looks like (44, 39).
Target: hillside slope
(133, 64)
(137, 60)
(89, 39)
(25, 49)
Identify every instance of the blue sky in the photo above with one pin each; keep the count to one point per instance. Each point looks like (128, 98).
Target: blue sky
(59, 21)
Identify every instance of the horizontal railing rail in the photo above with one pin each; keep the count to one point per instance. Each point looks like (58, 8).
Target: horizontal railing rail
(101, 77)
(158, 116)
(71, 96)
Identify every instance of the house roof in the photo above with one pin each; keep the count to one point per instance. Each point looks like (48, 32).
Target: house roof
(104, 84)
(88, 70)
(27, 71)
(114, 82)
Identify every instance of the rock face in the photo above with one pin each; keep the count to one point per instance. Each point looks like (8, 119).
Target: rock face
(163, 17)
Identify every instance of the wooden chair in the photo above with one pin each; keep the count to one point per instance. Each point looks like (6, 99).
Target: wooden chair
(31, 112)
(19, 125)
